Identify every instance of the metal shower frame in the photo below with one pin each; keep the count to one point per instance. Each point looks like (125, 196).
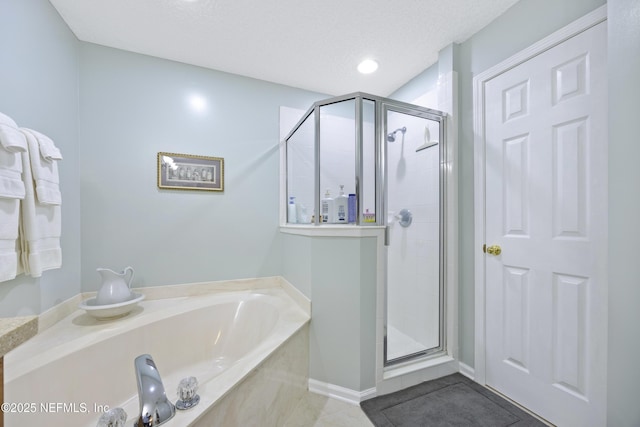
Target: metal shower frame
(381, 107)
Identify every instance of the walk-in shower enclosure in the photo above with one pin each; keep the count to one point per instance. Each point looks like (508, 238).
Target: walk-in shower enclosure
(361, 160)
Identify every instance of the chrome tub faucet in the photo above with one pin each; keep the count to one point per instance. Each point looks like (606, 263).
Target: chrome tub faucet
(155, 408)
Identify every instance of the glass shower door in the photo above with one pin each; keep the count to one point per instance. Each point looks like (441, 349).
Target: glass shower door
(414, 282)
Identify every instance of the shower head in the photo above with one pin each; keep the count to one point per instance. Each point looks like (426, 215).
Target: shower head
(391, 137)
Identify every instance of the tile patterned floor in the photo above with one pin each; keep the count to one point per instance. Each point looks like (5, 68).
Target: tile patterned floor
(315, 410)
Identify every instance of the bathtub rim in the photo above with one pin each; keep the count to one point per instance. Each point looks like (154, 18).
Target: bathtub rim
(55, 314)
(100, 330)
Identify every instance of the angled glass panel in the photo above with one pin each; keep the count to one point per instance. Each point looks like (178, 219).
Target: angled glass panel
(337, 160)
(300, 173)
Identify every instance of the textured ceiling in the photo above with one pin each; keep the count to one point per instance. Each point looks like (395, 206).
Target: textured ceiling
(314, 45)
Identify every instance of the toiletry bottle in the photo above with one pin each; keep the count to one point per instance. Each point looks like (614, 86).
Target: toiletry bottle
(301, 214)
(341, 206)
(291, 210)
(369, 217)
(352, 208)
(327, 208)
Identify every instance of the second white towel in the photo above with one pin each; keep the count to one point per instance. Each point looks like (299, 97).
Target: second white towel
(40, 226)
(44, 156)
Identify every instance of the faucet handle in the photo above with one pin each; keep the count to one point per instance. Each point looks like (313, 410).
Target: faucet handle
(115, 417)
(187, 393)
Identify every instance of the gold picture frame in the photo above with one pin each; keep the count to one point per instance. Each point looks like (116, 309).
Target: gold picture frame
(190, 172)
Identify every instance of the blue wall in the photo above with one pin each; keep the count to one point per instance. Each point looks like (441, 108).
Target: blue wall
(39, 90)
(110, 112)
(133, 106)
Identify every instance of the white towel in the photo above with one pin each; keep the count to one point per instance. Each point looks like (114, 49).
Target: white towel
(48, 150)
(40, 228)
(12, 142)
(10, 265)
(11, 185)
(10, 137)
(44, 156)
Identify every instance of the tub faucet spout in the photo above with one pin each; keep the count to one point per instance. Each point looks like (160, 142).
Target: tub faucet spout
(155, 408)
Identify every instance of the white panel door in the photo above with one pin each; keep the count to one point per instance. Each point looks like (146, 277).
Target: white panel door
(546, 207)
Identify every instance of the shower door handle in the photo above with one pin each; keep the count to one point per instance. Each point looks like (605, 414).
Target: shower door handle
(386, 235)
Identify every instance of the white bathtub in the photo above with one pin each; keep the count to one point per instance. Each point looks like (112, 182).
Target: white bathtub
(69, 373)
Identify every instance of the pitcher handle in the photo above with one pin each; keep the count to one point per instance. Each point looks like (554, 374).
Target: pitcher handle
(130, 278)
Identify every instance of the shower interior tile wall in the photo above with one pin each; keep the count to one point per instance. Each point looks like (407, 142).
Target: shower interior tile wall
(337, 155)
(413, 264)
(338, 160)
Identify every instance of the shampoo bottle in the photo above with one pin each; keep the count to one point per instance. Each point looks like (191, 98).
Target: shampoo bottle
(326, 209)
(341, 206)
(352, 209)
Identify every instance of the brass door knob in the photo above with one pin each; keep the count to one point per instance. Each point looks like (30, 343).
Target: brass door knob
(492, 250)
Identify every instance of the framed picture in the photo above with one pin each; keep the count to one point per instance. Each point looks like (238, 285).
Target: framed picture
(189, 172)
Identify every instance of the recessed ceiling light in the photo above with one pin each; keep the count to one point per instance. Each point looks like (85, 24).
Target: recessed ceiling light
(367, 66)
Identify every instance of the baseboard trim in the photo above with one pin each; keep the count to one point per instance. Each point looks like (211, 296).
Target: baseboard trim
(341, 393)
(467, 371)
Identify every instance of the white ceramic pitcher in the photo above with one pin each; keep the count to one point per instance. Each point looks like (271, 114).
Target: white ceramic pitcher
(114, 288)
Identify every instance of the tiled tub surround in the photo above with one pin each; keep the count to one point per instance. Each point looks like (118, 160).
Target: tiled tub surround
(241, 339)
(269, 395)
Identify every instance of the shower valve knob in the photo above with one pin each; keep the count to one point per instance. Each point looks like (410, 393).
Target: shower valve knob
(404, 217)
